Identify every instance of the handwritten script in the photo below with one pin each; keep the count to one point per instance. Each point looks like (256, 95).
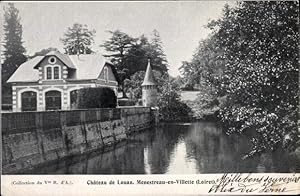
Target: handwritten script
(247, 183)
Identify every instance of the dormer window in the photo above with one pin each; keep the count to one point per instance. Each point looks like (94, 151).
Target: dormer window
(52, 71)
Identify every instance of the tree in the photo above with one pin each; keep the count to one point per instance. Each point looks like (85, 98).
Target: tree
(118, 46)
(14, 51)
(171, 108)
(133, 85)
(206, 66)
(191, 76)
(156, 53)
(248, 71)
(137, 56)
(179, 80)
(260, 42)
(130, 55)
(205, 71)
(142, 50)
(78, 39)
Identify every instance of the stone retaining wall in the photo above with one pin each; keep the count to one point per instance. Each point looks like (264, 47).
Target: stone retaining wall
(33, 138)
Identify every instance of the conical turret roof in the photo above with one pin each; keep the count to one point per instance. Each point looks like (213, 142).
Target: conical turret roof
(149, 79)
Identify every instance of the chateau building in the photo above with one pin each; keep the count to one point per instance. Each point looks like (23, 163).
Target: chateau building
(51, 82)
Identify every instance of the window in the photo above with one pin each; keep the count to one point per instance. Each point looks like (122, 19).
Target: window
(52, 60)
(56, 72)
(105, 74)
(53, 100)
(52, 72)
(29, 99)
(49, 72)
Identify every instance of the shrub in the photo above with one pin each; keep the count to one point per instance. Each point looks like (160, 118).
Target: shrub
(99, 97)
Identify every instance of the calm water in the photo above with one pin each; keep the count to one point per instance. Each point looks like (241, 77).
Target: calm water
(175, 149)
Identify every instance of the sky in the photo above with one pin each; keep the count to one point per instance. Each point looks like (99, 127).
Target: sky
(181, 24)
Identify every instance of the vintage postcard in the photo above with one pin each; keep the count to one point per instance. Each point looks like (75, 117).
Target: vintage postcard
(150, 98)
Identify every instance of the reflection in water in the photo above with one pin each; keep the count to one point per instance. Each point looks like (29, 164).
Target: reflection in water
(175, 149)
(180, 163)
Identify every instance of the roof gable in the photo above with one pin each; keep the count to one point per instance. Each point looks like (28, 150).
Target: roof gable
(63, 57)
(87, 66)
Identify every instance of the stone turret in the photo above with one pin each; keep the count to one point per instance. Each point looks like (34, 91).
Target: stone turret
(149, 88)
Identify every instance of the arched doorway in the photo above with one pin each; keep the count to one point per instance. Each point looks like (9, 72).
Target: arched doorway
(53, 100)
(29, 99)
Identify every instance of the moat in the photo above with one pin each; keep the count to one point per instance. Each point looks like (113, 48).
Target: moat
(183, 148)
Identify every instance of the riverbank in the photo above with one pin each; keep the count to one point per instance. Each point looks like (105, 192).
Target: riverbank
(175, 148)
(34, 138)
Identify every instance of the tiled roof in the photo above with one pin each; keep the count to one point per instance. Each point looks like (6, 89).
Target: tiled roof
(149, 77)
(87, 66)
(26, 71)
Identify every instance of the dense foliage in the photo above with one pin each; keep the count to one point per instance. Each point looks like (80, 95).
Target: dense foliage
(205, 71)
(13, 50)
(205, 66)
(133, 85)
(99, 97)
(171, 108)
(78, 39)
(206, 105)
(256, 45)
(130, 55)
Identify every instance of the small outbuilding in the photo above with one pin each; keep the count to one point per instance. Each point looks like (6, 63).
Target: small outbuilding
(51, 82)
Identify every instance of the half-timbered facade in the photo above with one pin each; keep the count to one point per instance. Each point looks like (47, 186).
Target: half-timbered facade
(51, 82)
